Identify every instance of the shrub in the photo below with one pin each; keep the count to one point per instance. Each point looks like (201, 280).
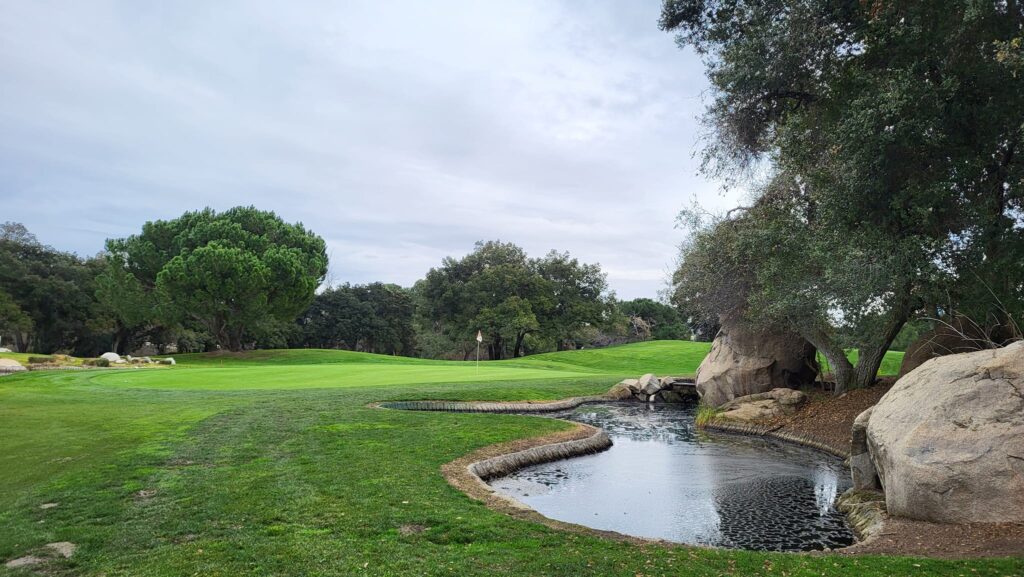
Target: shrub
(705, 414)
(39, 360)
(101, 362)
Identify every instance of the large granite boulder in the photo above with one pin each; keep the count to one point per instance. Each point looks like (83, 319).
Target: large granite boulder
(959, 336)
(947, 441)
(744, 362)
(112, 357)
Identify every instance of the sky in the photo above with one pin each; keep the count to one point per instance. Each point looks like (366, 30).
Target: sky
(401, 132)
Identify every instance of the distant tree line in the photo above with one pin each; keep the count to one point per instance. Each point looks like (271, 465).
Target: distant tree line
(244, 278)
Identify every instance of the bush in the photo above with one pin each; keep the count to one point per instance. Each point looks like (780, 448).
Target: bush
(705, 414)
(101, 362)
(39, 360)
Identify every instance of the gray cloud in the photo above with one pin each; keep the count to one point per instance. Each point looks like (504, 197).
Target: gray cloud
(401, 132)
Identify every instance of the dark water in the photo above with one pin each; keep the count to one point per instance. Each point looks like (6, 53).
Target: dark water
(663, 479)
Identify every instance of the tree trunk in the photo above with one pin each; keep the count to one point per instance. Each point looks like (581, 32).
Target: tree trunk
(518, 350)
(869, 359)
(842, 369)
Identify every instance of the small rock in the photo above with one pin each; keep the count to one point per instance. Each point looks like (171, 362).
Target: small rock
(26, 561)
(48, 505)
(63, 548)
(649, 384)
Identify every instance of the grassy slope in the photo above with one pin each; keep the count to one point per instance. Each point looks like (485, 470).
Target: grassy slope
(253, 476)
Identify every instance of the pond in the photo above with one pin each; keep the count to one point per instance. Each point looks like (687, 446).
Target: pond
(665, 479)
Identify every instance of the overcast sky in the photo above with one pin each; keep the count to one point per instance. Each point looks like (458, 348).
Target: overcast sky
(401, 132)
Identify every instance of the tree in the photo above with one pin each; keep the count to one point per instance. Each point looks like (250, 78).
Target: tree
(236, 274)
(375, 318)
(13, 320)
(54, 289)
(664, 321)
(511, 298)
(124, 302)
(578, 297)
(892, 130)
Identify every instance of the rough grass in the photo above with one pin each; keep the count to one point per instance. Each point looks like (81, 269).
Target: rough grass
(199, 469)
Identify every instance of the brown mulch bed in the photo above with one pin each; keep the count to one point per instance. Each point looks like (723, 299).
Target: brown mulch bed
(828, 419)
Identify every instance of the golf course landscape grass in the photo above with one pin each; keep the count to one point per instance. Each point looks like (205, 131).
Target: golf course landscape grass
(271, 463)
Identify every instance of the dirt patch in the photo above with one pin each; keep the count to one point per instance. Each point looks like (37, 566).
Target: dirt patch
(828, 418)
(406, 530)
(922, 539)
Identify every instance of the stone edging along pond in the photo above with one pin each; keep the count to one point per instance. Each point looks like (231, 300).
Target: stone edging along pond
(470, 472)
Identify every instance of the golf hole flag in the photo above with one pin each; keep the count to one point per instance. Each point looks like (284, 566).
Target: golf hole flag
(479, 337)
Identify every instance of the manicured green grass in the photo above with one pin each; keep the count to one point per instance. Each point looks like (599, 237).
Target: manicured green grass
(273, 465)
(890, 362)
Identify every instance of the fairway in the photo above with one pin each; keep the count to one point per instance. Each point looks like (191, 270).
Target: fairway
(271, 463)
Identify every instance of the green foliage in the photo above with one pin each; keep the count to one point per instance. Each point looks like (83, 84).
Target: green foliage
(665, 321)
(51, 288)
(498, 290)
(376, 318)
(705, 414)
(13, 320)
(237, 275)
(36, 360)
(893, 131)
(101, 362)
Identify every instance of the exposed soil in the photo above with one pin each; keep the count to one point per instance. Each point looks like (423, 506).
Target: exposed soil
(828, 419)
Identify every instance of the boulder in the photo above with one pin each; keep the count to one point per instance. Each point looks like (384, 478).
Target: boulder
(167, 361)
(959, 336)
(632, 384)
(763, 406)
(744, 362)
(649, 384)
(10, 366)
(948, 439)
(619, 392)
(862, 470)
(5, 350)
(112, 357)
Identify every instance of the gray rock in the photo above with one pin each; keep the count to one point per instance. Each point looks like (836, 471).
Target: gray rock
(5, 350)
(743, 362)
(112, 357)
(168, 361)
(862, 470)
(632, 384)
(649, 384)
(762, 406)
(619, 392)
(948, 439)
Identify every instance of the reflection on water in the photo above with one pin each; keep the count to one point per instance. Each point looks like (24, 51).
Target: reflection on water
(664, 479)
